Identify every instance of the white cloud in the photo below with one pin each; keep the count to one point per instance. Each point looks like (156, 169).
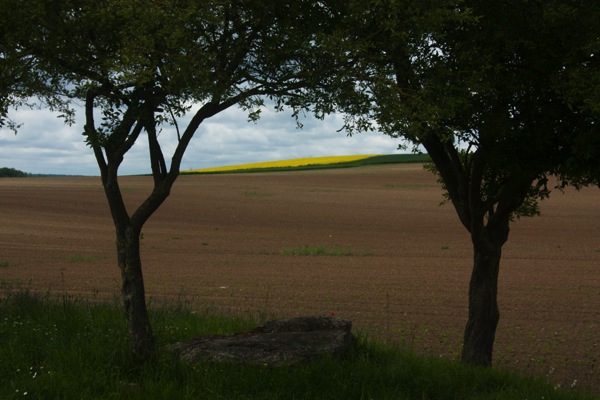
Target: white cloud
(45, 145)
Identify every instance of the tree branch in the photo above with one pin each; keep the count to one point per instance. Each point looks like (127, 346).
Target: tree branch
(452, 175)
(92, 134)
(157, 159)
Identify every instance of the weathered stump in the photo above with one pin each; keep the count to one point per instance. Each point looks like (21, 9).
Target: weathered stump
(276, 343)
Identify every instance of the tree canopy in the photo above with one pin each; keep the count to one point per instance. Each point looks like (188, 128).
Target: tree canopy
(6, 172)
(23, 81)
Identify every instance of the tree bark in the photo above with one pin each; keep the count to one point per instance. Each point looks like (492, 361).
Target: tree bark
(133, 293)
(484, 315)
(128, 230)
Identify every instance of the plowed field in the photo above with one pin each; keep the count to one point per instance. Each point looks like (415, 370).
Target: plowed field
(217, 243)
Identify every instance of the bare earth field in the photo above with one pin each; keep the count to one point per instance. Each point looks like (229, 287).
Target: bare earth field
(217, 243)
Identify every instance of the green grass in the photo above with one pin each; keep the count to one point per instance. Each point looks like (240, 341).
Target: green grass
(4, 264)
(323, 251)
(80, 258)
(375, 160)
(64, 348)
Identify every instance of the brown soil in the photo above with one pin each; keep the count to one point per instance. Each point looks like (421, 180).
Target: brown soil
(217, 242)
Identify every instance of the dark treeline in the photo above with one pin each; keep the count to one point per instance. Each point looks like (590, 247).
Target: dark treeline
(12, 173)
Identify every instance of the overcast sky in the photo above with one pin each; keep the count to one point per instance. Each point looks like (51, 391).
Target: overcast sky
(44, 144)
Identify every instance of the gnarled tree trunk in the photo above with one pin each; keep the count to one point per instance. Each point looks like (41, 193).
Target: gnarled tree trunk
(133, 293)
(482, 322)
(128, 231)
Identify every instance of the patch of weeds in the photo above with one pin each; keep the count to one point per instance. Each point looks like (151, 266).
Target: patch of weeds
(80, 258)
(4, 264)
(363, 252)
(403, 186)
(253, 193)
(445, 247)
(324, 251)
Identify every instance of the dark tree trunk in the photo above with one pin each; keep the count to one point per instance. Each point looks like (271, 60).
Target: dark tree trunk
(485, 208)
(109, 152)
(482, 322)
(128, 230)
(133, 293)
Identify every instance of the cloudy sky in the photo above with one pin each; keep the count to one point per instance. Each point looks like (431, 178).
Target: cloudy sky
(44, 144)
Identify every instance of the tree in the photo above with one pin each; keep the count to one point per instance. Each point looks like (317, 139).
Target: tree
(6, 172)
(21, 77)
(497, 93)
(139, 65)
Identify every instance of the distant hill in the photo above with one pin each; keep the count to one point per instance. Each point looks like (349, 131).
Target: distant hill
(12, 173)
(315, 163)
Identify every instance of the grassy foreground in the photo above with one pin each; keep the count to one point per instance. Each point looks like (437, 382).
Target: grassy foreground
(300, 164)
(63, 348)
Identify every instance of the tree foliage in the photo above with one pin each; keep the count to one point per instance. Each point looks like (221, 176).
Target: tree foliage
(6, 172)
(24, 82)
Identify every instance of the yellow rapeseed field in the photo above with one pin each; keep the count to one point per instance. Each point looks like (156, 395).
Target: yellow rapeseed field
(297, 162)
